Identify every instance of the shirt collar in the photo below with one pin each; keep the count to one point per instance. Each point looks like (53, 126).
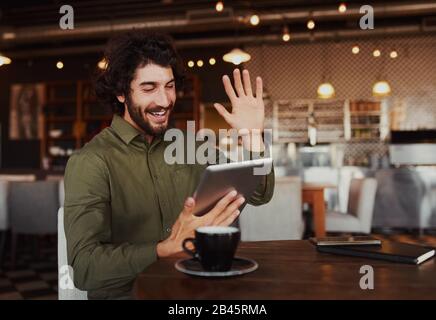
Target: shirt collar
(124, 129)
(127, 132)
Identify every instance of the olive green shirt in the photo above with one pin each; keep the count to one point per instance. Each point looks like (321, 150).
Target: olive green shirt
(121, 199)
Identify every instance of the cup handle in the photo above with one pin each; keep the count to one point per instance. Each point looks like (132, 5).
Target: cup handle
(189, 251)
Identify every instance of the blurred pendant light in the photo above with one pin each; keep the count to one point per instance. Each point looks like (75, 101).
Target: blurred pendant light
(342, 7)
(254, 20)
(381, 89)
(286, 35)
(326, 90)
(4, 60)
(219, 6)
(102, 64)
(236, 56)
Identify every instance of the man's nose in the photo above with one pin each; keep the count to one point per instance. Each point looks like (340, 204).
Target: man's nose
(162, 98)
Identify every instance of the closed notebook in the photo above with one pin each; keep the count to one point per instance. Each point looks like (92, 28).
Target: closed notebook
(390, 251)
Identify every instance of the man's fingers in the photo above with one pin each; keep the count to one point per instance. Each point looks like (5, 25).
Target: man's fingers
(223, 112)
(238, 83)
(230, 219)
(222, 204)
(247, 83)
(259, 88)
(188, 207)
(229, 88)
(229, 210)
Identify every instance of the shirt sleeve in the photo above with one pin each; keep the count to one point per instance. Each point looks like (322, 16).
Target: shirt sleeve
(96, 262)
(264, 192)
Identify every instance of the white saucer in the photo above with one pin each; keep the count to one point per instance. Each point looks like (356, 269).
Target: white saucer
(193, 267)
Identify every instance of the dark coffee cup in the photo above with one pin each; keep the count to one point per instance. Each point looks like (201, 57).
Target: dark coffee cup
(215, 247)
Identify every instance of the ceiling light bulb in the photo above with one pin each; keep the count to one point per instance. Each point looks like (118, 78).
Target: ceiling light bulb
(102, 64)
(191, 64)
(200, 63)
(310, 24)
(4, 60)
(286, 36)
(355, 49)
(59, 64)
(254, 20)
(219, 6)
(342, 7)
(376, 53)
(393, 54)
(212, 61)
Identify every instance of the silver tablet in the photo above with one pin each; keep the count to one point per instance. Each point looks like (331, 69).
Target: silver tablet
(220, 179)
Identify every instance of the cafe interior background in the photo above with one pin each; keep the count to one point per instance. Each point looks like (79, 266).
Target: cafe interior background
(345, 104)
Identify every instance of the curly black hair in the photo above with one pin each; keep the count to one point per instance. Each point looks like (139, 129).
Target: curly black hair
(124, 54)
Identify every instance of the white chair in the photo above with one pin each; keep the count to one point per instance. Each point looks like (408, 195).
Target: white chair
(279, 219)
(4, 208)
(358, 219)
(60, 180)
(4, 218)
(66, 288)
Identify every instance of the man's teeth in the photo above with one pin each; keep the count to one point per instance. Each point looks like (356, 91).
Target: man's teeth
(159, 113)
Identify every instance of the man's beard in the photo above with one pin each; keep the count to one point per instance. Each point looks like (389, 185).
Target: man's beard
(139, 118)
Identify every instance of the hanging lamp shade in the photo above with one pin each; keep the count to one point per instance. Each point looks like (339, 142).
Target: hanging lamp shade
(326, 90)
(236, 56)
(381, 89)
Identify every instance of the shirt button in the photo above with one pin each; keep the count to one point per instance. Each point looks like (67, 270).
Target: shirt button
(168, 230)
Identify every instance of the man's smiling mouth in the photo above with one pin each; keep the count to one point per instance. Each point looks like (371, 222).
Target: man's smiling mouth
(158, 115)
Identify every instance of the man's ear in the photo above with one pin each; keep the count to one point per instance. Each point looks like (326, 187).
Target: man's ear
(121, 98)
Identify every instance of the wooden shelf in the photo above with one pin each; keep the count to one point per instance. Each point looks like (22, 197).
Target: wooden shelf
(181, 115)
(365, 126)
(60, 119)
(290, 114)
(326, 114)
(63, 137)
(61, 101)
(97, 118)
(365, 140)
(185, 97)
(365, 113)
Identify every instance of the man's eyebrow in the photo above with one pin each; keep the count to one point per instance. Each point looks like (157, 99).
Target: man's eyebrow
(144, 83)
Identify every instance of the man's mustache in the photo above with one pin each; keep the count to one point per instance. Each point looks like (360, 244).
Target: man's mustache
(160, 108)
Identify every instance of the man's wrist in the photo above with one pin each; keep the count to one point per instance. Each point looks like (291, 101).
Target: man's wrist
(163, 249)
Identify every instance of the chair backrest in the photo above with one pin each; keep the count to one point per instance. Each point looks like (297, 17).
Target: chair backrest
(60, 180)
(18, 177)
(280, 219)
(33, 207)
(66, 288)
(4, 217)
(361, 201)
(399, 199)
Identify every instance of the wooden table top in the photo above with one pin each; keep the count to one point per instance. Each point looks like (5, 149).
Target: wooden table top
(291, 270)
(317, 186)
